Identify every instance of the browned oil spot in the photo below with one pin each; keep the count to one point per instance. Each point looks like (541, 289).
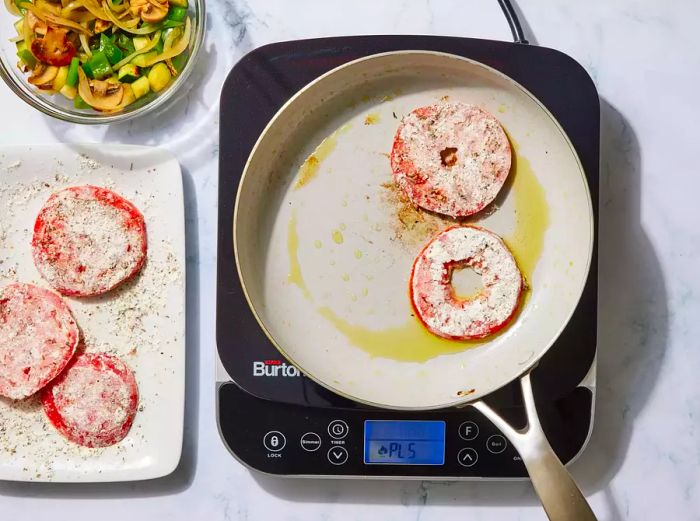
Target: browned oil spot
(448, 156)
(413, 226)
(372, 119)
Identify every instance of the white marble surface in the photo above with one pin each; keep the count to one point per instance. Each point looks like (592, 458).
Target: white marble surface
(644, 459)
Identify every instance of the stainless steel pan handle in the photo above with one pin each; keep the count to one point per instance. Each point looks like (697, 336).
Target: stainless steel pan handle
(559, 494)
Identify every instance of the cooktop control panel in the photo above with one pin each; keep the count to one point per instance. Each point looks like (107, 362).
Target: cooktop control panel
(297, 440)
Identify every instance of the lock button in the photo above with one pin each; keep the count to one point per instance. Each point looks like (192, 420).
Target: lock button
(274, 441)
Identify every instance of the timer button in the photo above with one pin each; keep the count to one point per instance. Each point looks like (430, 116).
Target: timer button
(311, 442)
(467, 457)
(337, 455)
(274, 441)
(468, 431)
(496, 444)
(338, 429)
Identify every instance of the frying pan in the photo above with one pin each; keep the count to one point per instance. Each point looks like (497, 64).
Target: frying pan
(324, 246)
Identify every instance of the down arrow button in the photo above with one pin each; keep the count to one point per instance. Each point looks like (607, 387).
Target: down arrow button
(337, 455)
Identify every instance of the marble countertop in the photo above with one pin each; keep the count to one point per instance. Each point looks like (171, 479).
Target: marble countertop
(643, 461)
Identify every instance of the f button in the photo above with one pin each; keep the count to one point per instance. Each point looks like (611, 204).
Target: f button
(468, 431)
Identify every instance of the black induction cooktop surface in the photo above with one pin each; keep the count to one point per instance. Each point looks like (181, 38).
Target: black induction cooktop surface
(268, 404)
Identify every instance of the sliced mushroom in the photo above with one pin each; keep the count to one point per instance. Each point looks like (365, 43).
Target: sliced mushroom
(100, 95)
(43, 76)
(102, 25)
(55, 48)
(150, 11)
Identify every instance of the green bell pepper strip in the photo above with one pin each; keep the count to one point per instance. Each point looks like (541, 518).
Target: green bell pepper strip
(177, 14)
(179, 61)
(72, 78)
(78, 103)
(125, 43)
(97, 67)
(113, 53)
(25, 55)
(167, 24)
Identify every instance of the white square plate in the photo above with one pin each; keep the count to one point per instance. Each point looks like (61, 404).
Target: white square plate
(143, 321)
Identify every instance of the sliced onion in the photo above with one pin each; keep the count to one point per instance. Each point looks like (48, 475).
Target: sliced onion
(28, 33)
(68, 8)
(180, 47)
(12, 7)
(123, 26)
(54, 19)
(154, 41)
(95, 9)
(48, 7)
(80, 15)
(117, 8)
(85, 44)
(170, 39)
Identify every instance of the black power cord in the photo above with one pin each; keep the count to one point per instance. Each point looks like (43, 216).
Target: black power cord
(513, 22)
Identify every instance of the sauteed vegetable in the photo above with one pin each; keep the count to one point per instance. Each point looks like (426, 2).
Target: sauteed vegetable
(103, 54)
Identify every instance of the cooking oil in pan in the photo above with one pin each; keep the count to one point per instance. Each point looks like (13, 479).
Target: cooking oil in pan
(295, 276)
(531, 215)
(309, 168)
(411, 342)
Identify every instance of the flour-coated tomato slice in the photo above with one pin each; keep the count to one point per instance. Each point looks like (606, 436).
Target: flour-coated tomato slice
(451, 158)
(88, 240)
(433, 297)
(93, 402)
(38, 337)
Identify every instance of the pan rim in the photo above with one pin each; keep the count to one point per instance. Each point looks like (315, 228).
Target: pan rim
(526, 368)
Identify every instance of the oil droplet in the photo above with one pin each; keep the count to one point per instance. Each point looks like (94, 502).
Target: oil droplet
(345, 277)
(332, 262)
(501, 108)
(309, 169)
(365, 98)
(337, 236)
(353, 298)
(342, 227)
(372, 118)
(358, 254)
(365, 291)
(318, 244)
(410, 342)
(344, 203)
(295, 276)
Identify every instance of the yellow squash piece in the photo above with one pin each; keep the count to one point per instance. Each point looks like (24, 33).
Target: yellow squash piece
(159, 77)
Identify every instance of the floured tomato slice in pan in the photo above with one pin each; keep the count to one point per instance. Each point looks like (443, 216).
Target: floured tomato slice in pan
(88, 240)
(93, 402)
(450, 158)
(434, 299)
(38, 337)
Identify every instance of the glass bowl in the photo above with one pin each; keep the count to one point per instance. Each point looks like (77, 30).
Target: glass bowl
(62, 108)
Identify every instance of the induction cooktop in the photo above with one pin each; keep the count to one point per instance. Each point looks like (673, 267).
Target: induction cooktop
(275, 420)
